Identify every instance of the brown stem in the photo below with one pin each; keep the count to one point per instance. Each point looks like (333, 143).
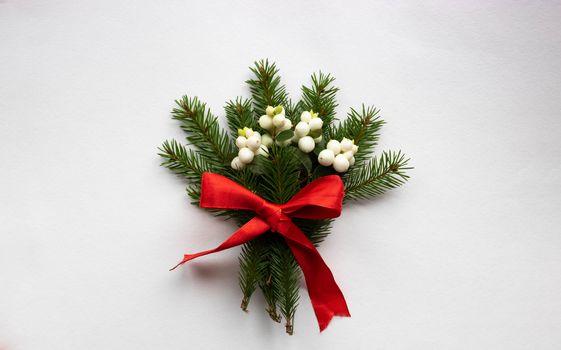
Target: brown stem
(289, 327)
(272, 310)
(245, 303)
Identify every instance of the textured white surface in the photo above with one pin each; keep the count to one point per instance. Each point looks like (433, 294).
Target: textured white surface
(466, 256)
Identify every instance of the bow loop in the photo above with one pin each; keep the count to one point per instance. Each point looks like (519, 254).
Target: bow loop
(320, 199)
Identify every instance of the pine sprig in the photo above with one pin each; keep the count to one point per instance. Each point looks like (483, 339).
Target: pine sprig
(321, 97)
(252, 265)
(266, 89)
(364, 128)
(286, 277)
(377, 176)
(279, 181)
(293, 110)
(183, 161)
(266, 283)
(239, 114)
(203, 131)
(315, 230)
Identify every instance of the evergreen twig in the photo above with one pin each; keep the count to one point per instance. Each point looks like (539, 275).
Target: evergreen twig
(364, 128)
(321, 97)
(266, 89)
(286, 277)
(239, 114)
(183, 161)
(203, 131)
(377, 176)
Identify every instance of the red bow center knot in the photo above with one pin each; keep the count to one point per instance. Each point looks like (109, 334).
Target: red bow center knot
(272, 214)
(320, 199)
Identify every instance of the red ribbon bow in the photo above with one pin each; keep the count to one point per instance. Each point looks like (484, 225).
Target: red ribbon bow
(321, 199)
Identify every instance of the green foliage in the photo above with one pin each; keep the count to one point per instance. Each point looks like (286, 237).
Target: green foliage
(203, 131)
(266, 89)
(377, 176)
(286, 281)
(279, 181)
(293, 110)
(363, 127)
(321, 97)
(239, 114)
(315, 230)
(252, 266)
(267, 262)
(183, 161)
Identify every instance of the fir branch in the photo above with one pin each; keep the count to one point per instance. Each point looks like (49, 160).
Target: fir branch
(315, 230)
(245, 177)
(183, 161)
(194, 192)
(239, 114)
(279, 182)
(293, 110)
(252, 265)
(364, 128)
(377, 176)
(266, 283)
(321, 97)
(266, 89)
(286, 281)
(203, 131)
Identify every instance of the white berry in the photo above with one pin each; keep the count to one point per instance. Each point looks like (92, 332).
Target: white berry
(248, 132)
(286, 125)
(266, 140)
(348, 155)
(355, 149)
(352, 161)
(341, 163)
(334, 146)
(263, 151)
(237, 164)
(318, 139)
(302, 129)
(278, 120)
(270, 111)
(241, 142)
(346, 145)
(306, 144)
(316, 124)
(253, 143)
(246, 155)
(326, 157)
(266, 122)
(306, 116)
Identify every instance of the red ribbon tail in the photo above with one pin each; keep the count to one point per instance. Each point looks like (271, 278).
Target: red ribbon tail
(188, 257)
(325, 295)
(252, 229)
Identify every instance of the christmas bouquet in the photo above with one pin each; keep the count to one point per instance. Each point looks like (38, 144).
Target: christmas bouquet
(282, 173)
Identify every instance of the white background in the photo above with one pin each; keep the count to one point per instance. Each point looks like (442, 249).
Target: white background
(465, 256)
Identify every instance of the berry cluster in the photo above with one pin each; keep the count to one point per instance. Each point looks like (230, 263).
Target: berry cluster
(275, 120)
(308, 131)
(250, 144)
(339, 154)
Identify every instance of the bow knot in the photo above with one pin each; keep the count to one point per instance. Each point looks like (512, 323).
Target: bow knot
(272, 214)
(320, 199)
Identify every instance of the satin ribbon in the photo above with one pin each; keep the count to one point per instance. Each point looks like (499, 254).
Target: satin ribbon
(321, 199)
